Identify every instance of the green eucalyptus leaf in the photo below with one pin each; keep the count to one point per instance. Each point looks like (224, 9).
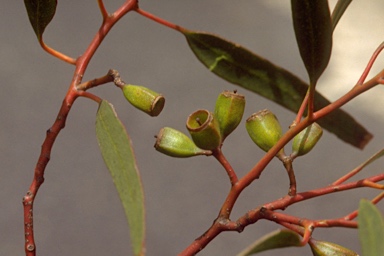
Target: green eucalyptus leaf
(338, 11)
(239, 66)
(371, 229)
(40, 13)
(276, 239)
(323, 248)
(117, 152)
(373, 158)
(313, 30)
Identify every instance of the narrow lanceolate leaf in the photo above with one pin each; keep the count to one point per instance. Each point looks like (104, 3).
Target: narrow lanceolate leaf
(338, 11)
(372, 158)
(371, 229)
(323, 248)
(313, 30)
(117, 152)
(40, 13)
(239, 66)
(277, 239)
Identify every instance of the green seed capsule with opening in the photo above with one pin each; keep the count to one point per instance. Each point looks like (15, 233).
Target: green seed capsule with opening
(229, 111)
(322, 248)
(264, 129)
(174, 143)
(144, 99)
(305, 141)
(204, 129)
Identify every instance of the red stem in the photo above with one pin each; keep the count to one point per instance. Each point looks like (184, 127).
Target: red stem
(52, 133)
(218, 154)
(56, 54)
(158, 20)
(267, 211)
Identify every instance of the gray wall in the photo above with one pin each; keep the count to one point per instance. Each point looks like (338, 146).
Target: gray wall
(77, 210)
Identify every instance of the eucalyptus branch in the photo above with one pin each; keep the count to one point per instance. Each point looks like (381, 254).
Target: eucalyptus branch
(59, 124)
(258, 213)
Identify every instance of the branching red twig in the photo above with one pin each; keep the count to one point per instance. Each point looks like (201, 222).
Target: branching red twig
(253, 216)
(267, 211)
(71, 95)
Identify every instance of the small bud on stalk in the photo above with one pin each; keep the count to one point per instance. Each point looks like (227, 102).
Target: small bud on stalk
(204, 129)
(305, 141)
(264, 129)
(229, 111)
(144, 99)
(174, 143)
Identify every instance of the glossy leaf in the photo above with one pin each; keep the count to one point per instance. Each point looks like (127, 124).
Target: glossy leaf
(338, 11)
(323, 248)
(40, 13)
(277, 239)
(117, 152)
(371, 229)
(239, 66)
(313, 30)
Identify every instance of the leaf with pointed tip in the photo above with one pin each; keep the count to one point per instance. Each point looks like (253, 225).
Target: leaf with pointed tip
(338, 11)
(117, 152)
(323, 248)
(371, 229)
(239, 66)
(372, 158)
(313, 30)
(276, 239)
(40, 13)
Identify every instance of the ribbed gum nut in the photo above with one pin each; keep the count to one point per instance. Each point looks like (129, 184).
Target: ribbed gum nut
(305, 141)
(264, 129)
(322, 248)
(204, 129)
(174, 143)
(144, 99)
(229, 111)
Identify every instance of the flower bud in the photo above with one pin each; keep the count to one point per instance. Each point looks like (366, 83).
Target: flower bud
(204, 129)
(229, 110)
(144, 99)
(264, 129)
(174, 143)
(322, 248)
(306, 140)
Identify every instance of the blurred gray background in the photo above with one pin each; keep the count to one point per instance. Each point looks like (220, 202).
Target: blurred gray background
(77, 210)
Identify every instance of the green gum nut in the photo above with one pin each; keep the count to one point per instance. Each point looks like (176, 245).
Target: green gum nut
(144, 99)
(306, 140)
(204, 129)
(322, 248)
(264, 129)
(229, 111)
(174, 143)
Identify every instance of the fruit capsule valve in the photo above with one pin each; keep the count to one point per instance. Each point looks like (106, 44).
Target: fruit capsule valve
(264, 129)
(144, 99)
(229, 110)
(174, 143)
(306, 140)
(204, 129)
